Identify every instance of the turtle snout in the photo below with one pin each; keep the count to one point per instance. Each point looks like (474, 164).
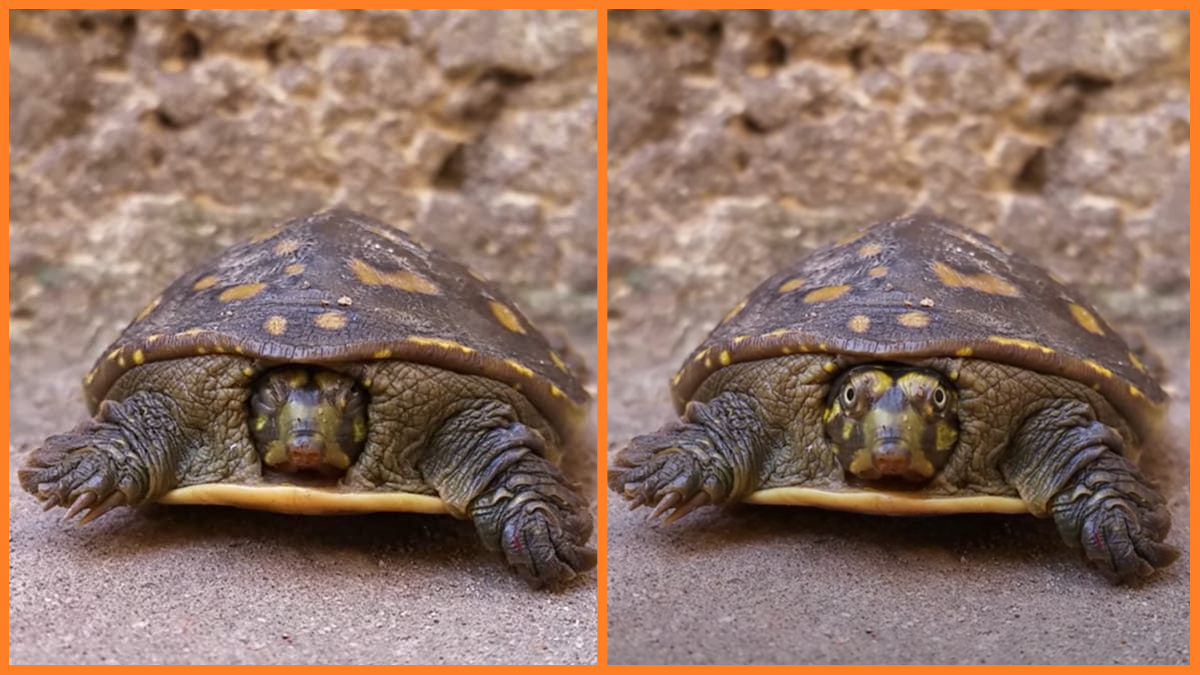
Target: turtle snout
(892, 459)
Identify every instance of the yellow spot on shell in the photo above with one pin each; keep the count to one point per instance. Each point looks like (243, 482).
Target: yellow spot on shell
(676, 378)
(260, 422)
(830, 367)
(556, 392)
(982, 282)
(248, 371)
(791, 285)
(740, 339)
(382, 354)
(114, 354)
(877, 271)
(519, 368)
(964, 351)
(206, 282)
(151, 339)
(148, 308)
(241, 292)
(438, 342)
(121, 361)
(1134, 391)
(913, 319)
(558, 362)
(1018, 342)
(850, 238)
(139, 357)
(825, 294)
(91, 377)
(870, 250)
(293, 269)
(404, 280)
(1137, 363)
(1097, 368)
(275, 325)
(1086, 319)
(266, 234)
(201, 350)
(506, 317)
(700, 356)
(191, 332)
(859, 323)
(777, 333)
(286, 246)
(330, 320)
(735, 311)
(726, 359)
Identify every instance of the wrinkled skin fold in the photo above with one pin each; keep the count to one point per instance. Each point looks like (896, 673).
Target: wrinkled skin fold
(484, 449)
(1055, 443)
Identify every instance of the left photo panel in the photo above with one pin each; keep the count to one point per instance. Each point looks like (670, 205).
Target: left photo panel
(302, 336)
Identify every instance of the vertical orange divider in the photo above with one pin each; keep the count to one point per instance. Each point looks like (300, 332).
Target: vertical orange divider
(4, 364)
(1193, 432)
(601, 332)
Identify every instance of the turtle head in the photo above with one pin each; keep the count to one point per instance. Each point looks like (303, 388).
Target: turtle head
(308, 419)
(888, 422)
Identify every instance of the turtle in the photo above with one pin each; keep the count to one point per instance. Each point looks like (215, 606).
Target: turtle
(916, 367)
(331, 364)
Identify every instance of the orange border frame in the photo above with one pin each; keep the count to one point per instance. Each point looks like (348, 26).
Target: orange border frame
(601, 315)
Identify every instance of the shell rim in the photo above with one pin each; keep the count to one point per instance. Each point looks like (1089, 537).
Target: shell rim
(1143, 410)
(570, 407)
(887, 502)
(302, 500)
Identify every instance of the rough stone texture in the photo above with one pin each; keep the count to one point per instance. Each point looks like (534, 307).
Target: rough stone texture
(739, 140)
(143, 142)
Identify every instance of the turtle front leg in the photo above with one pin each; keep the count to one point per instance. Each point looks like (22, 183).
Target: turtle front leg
(1069, 465)
(489, 467)
(126, 455)
(713, 455)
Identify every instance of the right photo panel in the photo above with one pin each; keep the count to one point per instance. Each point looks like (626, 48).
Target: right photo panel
(898, 336)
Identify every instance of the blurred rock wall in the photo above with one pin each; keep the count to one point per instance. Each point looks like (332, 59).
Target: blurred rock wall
(142, 142)
(738, 140)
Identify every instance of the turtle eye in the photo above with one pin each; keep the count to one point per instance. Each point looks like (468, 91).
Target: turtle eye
(849, 396)
(939, 398)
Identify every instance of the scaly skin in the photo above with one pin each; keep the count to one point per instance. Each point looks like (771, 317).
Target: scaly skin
(475, 441)
(1054, 442)
(1099, 499)
(713, 455)
(491, 468)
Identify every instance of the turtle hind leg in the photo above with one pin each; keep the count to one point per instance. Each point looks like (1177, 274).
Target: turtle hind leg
(1068, 465)
(126, 455)
(713, 455)
(491, 468)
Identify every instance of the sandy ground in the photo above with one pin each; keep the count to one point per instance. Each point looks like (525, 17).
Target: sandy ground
(776, 584)
(218, 585)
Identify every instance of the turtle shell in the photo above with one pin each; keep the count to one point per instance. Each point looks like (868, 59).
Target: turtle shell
(338, 287)
(920, 287)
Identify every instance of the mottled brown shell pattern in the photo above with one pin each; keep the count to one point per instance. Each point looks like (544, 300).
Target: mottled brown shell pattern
(920, 287)
(337, 287)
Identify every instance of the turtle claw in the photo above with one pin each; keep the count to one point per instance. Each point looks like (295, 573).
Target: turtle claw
(114, 500)
(700, 499)
(49, 502)
(81, 502)
(664, 505)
